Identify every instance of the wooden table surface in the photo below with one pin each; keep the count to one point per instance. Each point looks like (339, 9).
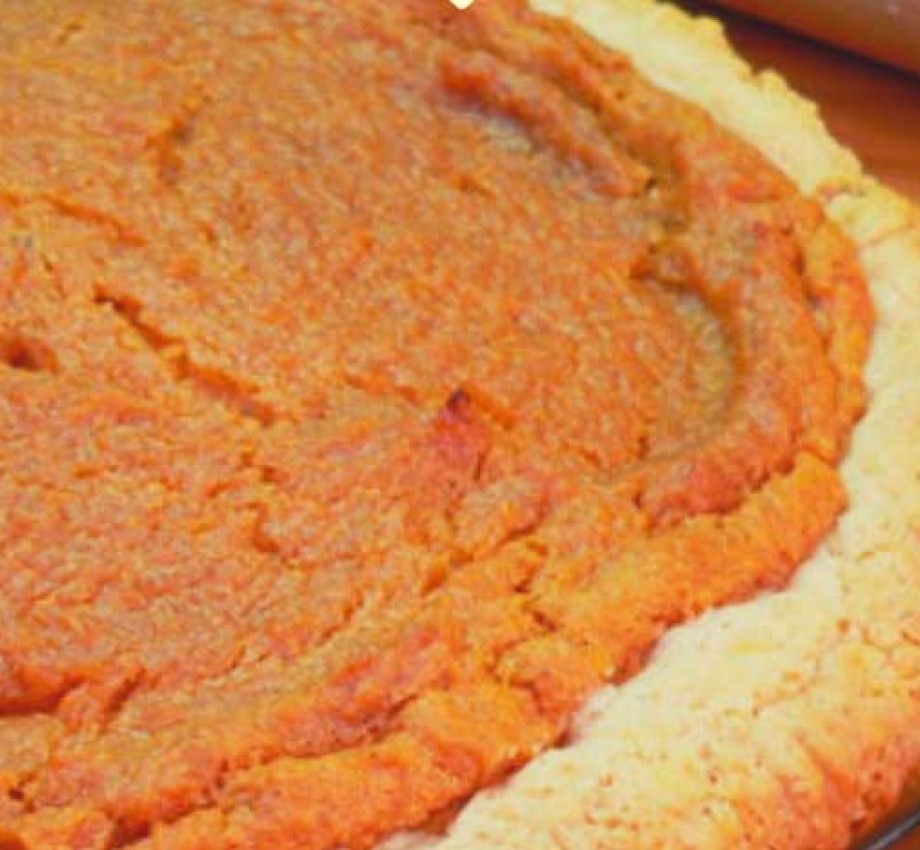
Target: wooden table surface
(872, 109)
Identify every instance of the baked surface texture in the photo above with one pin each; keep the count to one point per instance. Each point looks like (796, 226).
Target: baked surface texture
(324, 508)
(791, 721)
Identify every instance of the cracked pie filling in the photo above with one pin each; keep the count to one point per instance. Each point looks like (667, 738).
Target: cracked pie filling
(378, 381)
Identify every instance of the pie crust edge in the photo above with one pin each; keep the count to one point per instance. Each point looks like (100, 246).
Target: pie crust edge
(791, 721)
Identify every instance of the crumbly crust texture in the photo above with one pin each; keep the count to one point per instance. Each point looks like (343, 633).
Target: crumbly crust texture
(791, 721)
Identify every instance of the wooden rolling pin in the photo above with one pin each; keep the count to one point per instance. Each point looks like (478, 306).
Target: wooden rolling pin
(886, 30)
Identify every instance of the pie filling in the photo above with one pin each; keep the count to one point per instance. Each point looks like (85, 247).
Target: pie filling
(378, 380)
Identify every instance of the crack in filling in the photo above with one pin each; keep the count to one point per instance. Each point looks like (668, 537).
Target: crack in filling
(376, 382)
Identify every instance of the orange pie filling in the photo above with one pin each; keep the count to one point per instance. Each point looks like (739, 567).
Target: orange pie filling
(378, 380)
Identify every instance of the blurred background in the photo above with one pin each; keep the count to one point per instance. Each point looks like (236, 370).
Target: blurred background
(872, 106)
